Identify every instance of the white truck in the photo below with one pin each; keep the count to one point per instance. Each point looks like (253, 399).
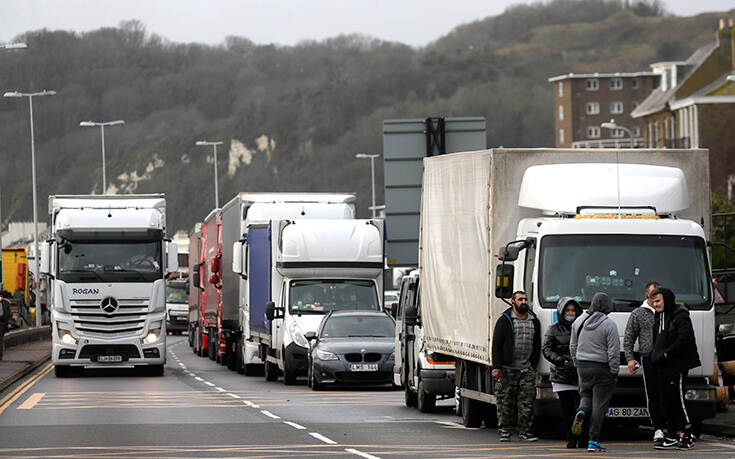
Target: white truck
(245, 209)
(107, 264)
(562, 223)
(297, 271)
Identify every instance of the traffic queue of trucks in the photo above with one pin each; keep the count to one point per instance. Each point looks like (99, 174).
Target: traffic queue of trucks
(267, 267)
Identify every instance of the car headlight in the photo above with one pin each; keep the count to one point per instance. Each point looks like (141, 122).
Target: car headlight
(65, 334)
(699, 394)
(324, 355)
(297, 336)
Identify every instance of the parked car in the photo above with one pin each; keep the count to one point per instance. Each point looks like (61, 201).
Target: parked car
(352, 347)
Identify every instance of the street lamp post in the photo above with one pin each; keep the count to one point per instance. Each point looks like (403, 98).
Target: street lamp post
(102, 130)
(216, 187)
(30, 97)
(372, 173)
(612, 125)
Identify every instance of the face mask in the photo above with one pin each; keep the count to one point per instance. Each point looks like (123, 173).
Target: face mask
(570, 319)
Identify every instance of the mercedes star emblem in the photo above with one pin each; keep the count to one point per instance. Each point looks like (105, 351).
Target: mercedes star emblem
(109, 305)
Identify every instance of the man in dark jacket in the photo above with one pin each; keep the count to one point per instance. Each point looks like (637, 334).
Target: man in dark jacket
(674, 354)
(564, 381)
(516, 351)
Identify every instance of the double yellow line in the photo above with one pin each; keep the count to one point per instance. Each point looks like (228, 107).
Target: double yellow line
(20, 390)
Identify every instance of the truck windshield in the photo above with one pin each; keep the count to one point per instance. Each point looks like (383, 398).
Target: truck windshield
(176, 295)
(320, 296)
(128, 261)
(621, 265)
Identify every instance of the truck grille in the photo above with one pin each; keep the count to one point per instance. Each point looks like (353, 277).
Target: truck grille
(128, 319)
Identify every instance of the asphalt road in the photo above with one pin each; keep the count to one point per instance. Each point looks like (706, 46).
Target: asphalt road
(201, 409)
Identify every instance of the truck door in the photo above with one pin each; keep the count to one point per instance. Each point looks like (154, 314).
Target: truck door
(398, 341)
(258, 266)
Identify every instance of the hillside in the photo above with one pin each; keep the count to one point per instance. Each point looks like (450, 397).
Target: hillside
(292, 118)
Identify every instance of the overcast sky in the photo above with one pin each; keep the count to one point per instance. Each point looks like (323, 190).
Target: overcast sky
(285, 22)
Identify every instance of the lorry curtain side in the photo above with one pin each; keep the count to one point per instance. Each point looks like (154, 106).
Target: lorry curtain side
(259, 279)
(231, 232)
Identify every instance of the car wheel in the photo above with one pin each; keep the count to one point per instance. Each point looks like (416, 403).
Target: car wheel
(425, 401)
(313, 383)
(410, 397)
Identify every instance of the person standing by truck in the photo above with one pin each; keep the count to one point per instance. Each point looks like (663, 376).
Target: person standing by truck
(640, 327)
(674, 354)
(515, 352)
(564, 379)
(595, 350)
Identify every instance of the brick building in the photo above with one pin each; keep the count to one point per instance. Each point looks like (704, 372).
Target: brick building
(584, 101)
(694, 106)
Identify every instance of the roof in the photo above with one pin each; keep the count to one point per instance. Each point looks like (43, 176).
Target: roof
(658, 99)
(600, 75)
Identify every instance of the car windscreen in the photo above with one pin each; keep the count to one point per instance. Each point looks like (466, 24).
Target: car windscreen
(581, 265)
(123, 261)
(324, 295)
(358, 327)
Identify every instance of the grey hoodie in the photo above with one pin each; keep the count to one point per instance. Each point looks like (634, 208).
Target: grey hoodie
(598, 340)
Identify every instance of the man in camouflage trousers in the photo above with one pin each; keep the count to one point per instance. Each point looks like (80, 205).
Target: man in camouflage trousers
(516, 351)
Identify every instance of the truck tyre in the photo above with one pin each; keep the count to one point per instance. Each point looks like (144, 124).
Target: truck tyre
(425, 401)
(64, 371)
(271, 371)
(471, 412)
(289, 376)
(252, 369)
(190, 336)
(491, 416)
(212, 345)
(410, 397)
(155, 370)
(239, 364)
(231, 355)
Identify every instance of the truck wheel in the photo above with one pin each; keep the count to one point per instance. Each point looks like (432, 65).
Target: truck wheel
(491, 416)
(231, 355)
(252, 369)
(63, 371)
(155, 370)
(271, 371)
(190, 336)
(471, 412)
(289, 376)
(212, 345)
(239, 364)
(410, 397)
(425, 401)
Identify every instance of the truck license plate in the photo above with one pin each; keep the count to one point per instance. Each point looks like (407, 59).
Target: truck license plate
(109, 358)
(364, 367)
(627, 412)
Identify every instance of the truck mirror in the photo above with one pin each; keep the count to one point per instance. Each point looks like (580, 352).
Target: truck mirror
(270, 310)
(504, 280)
(237, 257)
(310, 335)
(45, 259)
(394, 310)
(215, 264)
(173, 258)
(196, 275)
(412, 315)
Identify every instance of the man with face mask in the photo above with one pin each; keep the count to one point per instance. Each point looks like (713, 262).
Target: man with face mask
(515, 352)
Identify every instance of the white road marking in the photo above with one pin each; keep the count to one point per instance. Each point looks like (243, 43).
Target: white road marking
(220, 389)
(198, 378)
(294, 425)
(321, 437)
(208, 383)
(361, 454)
(269, 414)
(250, 404)
(234, 395)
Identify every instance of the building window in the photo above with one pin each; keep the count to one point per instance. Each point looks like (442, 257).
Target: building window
(634, 83)
(593, 84)
(561, 136)
(616, 107)
(593, 108)
(561, 113)
(593, 132)
(616, 83)
(636, 131)
(561, 88)
(617, 133)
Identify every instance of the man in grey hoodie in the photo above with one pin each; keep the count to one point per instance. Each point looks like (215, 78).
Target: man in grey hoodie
(595, 350)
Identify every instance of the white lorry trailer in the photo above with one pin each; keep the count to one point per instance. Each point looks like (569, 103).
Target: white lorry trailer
(564, 223)
(107, 261)
(298, 270)
(245, 209)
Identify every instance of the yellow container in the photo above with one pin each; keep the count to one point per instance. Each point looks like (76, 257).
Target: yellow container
(15, 271)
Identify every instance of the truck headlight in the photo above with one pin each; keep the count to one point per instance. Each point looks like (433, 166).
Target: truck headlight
(65, 334)
(699, 394)
(153, 333)
(324, 355)
(297, 336)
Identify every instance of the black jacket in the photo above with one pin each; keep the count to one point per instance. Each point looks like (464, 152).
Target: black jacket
(556, 346)
(503, 342)
(673, 335)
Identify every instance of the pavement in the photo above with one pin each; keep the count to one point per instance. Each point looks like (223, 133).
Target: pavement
(21, 359)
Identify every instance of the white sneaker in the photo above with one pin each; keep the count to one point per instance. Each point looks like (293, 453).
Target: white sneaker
(658, 435)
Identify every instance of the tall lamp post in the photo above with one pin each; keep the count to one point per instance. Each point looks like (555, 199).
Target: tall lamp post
(372, 173)
(612, 125)
(216, 187)
(30, 96)
(102, 130)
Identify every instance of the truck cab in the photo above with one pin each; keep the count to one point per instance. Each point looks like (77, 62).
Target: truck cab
(177, 307)
(425, 376)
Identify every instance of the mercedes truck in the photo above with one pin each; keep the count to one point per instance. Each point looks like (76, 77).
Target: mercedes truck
(107, 264)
